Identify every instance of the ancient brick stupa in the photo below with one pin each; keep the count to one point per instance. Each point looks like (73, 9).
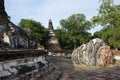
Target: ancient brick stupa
(52, 40)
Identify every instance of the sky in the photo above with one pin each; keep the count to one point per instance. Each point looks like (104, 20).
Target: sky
(43, 10)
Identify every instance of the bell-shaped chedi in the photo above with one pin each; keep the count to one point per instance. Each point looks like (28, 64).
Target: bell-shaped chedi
(3, 15)
(52, 40)
(93, 54)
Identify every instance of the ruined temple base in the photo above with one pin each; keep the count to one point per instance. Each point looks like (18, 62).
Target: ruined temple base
(31, 68)
(51, 74)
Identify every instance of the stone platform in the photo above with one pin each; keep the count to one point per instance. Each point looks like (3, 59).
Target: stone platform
(31, 65)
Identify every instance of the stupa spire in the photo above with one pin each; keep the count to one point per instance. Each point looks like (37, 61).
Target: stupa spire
(52, 40)
(50, 25)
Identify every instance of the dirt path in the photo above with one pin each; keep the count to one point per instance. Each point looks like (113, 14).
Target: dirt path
(69, 73)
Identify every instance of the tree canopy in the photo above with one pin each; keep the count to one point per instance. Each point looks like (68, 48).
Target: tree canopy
(74, 30)
(37, 30)
(109, 18)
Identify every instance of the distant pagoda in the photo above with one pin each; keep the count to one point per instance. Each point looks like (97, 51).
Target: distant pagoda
(52, 40)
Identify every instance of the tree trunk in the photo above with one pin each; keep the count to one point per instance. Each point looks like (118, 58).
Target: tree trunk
(74, 43)
(3, 15)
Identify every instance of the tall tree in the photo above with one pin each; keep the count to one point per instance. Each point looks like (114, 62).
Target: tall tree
(36, 28)
(63, 38)
(76, 27)
(109, 18)
(117, 7)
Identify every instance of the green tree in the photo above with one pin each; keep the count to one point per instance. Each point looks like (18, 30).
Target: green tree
(36, 28)
(117, 7)
(75, 29)
(63, 38)
(109, 18)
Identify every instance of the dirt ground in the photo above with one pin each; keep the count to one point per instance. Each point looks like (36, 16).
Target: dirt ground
(71, 73)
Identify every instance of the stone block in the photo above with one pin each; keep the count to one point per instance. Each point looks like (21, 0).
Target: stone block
(93, 54)
(1, 67)
(8, 64)
(35, 59)
(4, 73)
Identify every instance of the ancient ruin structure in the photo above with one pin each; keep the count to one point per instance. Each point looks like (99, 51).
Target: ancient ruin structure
(20, 58)
(3, 15)
(52, 40)
(13, 37)
(93, 54)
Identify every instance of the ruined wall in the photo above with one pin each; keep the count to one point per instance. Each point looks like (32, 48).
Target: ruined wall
(12, 36)
(3, 15)
(25, 68)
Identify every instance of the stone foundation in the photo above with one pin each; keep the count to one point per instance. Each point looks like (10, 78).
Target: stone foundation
(26, 68)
